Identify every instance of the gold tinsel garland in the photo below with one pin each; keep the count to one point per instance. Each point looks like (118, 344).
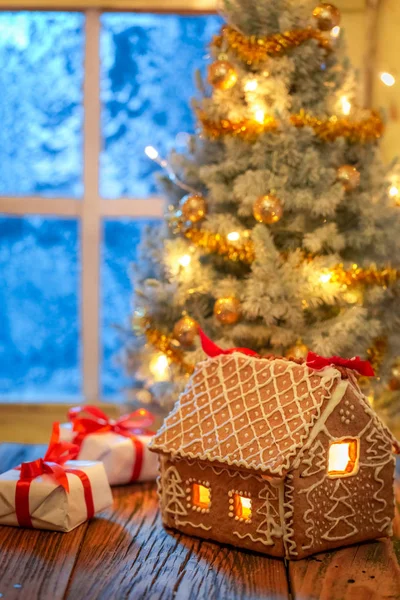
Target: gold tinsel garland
(217, 243)
(367, 130)
(253, 49)
(368, 276)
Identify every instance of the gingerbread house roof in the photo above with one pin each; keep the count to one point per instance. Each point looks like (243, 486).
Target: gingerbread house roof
(248, 412)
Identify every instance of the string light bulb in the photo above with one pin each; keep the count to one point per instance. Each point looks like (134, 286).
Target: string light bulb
(393, 191)
(251, 85)
(151, 152)
(325, 277)
(259, 115)
(159, 367)
(185, 260)
(346, 105)
(233, 236)
(335, 32)
(388, 79)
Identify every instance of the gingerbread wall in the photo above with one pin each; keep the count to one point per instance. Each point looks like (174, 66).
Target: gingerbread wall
(325, 512)
(262, 533)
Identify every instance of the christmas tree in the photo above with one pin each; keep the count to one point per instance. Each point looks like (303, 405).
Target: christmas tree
(281, 231)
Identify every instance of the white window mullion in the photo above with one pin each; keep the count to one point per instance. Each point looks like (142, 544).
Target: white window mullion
(91, 218)
(35, 205)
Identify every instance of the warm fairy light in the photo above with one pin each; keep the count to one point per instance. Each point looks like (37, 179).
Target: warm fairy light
(233, 236)
(201, 496)
(387, 79)
(335, 32)
(393, 191)
(185, 260)
(342, 457)
(259, 115)
(325, 277)
(346, 105)
(242, 507)
(151, 152)
(250, 86)
(159, 367)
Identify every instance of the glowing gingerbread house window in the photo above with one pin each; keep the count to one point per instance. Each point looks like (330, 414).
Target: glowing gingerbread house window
(242, 507)
(201, 495)
(343, 458)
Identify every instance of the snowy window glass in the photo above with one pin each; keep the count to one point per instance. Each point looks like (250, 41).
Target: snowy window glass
(41, 78)
(146, 64)
(39, 307)
(147, 82)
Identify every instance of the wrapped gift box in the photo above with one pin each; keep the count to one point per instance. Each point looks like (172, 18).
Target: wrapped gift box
(121, 448)
(50, 505)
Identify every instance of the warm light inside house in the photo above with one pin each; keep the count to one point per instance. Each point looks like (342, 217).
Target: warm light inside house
(201, 495)
(242, 507)
(342, 457)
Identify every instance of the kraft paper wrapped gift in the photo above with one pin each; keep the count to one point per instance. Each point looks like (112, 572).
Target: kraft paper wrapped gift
(54, 493)
(122, 445)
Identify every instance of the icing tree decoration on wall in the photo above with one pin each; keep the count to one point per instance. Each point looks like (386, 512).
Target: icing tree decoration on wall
(340, 515)
(174, 493)
(316, 461)
(270, 526)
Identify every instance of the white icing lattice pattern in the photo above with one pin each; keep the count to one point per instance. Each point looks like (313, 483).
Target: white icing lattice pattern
(245, 411)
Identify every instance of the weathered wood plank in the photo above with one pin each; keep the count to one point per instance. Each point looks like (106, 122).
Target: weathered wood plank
(367, 571)
(131, 556)
(34, 564)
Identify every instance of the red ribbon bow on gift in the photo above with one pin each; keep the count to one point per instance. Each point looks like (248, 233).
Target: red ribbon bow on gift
(52, 465)
(131, 425)
(363, 367)
(98, 422)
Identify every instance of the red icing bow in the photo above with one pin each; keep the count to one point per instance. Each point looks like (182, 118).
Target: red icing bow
(363, 367)
(96, 421)
(52, 464)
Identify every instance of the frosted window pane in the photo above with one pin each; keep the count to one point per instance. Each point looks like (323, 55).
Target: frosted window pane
(39, 307)
(41, 78)
(147, 81)
(120, 240)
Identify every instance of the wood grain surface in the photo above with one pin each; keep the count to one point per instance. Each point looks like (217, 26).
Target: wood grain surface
(125, 553)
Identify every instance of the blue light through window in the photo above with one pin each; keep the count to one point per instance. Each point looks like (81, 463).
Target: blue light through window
(147, 81)
(41, 78)
(39, 307)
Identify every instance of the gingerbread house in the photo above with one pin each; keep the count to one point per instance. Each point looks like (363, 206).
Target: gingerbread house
(275, 457)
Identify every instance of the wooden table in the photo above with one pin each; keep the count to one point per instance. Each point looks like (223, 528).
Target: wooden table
(125, 553)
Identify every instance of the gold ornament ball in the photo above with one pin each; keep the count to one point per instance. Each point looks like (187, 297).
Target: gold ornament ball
(193, 207)
(222, 75)
(185, 331)
(349, 177)
(327, 16)
(227, 310)
(299, 350)
(267, 209)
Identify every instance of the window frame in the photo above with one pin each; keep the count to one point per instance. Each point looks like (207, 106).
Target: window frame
(91, 210)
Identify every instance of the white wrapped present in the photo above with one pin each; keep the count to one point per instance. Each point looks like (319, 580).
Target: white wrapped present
(54, 493)
(122, 445)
